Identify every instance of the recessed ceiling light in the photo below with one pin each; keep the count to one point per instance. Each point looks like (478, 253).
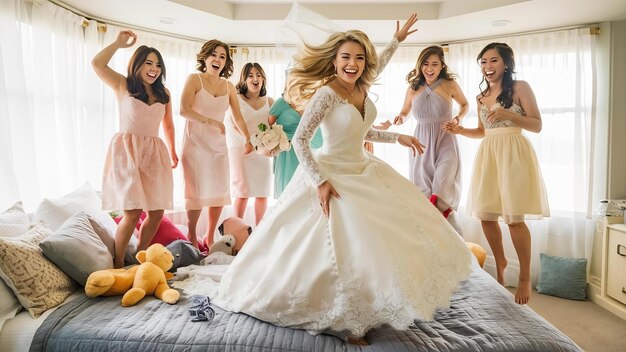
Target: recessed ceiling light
(167, 20)
(500, 23)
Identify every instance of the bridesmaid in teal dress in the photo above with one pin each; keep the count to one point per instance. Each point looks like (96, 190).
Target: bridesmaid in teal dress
(285, 163)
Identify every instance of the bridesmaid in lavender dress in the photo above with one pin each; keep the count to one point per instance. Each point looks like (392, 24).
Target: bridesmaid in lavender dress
(437, 172)
(206, 97)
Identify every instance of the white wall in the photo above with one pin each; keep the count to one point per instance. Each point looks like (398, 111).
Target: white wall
(611, 102)
(617, 112)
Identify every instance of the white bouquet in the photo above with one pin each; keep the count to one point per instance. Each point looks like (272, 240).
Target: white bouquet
(270, 140)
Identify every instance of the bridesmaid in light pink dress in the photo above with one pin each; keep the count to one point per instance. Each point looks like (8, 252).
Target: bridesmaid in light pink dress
(206, 97)
(250, 175)
(137, 170)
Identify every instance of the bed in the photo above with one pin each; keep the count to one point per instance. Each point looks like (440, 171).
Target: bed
(482, 317)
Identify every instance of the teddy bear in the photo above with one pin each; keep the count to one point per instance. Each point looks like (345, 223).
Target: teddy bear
(237, 227)
(225, 244)
(147, 278)
(478, 251)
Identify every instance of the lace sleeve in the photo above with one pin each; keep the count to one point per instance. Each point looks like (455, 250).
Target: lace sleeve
(387, 53)
(318, 107)
(375, 135)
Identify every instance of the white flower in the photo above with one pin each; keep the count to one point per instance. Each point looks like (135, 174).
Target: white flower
(270, 140)
(284, 145)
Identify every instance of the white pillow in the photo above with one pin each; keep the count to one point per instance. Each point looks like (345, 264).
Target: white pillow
(54, 212)
(14, 221)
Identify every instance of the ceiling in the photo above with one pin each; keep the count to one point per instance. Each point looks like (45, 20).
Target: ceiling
(259, 21)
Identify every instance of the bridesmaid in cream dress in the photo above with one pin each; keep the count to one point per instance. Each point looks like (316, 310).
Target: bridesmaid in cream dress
(138, 167)
(250, 174)
(507, 181)
(205, 98)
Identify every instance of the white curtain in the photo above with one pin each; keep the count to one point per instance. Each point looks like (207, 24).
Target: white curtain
(47, 143)
(560, 67)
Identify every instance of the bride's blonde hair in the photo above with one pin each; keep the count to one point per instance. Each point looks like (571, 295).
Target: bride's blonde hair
(314, 67)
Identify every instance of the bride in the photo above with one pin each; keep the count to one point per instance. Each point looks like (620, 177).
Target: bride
(351, 244)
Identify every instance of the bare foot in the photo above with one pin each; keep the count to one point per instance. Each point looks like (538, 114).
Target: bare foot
(522, 295)
(359, 341)
(500, 271)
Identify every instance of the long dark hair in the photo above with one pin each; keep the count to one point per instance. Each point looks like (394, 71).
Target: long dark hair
(506, 53)
(207, 49)
(133, 78)
(415, 78)
(242, 87)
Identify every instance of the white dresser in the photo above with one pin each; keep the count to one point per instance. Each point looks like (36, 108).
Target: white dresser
(612, 294)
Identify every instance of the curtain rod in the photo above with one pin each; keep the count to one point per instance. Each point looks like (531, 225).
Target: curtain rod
(120, 24)
(594, 29)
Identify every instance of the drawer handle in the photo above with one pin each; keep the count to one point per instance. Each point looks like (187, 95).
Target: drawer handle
(621, 250)
(623, 289)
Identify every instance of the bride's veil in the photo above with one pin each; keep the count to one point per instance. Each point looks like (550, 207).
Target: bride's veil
(302, 25)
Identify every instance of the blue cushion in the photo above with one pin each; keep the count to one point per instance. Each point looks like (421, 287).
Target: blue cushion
(563, 277)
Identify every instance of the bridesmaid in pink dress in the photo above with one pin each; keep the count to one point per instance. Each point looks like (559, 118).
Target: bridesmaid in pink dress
(137, 170)
(205, 98)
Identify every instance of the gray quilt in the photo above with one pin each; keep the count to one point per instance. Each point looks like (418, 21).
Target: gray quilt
(482, 317)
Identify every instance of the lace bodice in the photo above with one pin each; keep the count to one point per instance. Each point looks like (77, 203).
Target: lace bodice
(484, 110)
(343, 127)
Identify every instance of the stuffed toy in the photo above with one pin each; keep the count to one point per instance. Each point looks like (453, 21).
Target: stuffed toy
(478, 251)
(147, 278)
(236, 227)
(225, 244)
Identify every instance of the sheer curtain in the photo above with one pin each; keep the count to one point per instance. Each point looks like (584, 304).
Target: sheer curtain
(560, 67)
(48, 145)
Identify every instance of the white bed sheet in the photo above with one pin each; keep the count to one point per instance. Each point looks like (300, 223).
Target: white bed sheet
(17, 333)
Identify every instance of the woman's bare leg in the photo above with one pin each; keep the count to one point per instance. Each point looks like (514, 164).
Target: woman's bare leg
(492, 232)
(214, 216)
(192, 223)
(125, 230)
(522, 243)
(149, 227)
(260, 206)
(239, 206)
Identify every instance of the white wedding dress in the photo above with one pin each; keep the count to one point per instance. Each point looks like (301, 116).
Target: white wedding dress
(385, 255)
